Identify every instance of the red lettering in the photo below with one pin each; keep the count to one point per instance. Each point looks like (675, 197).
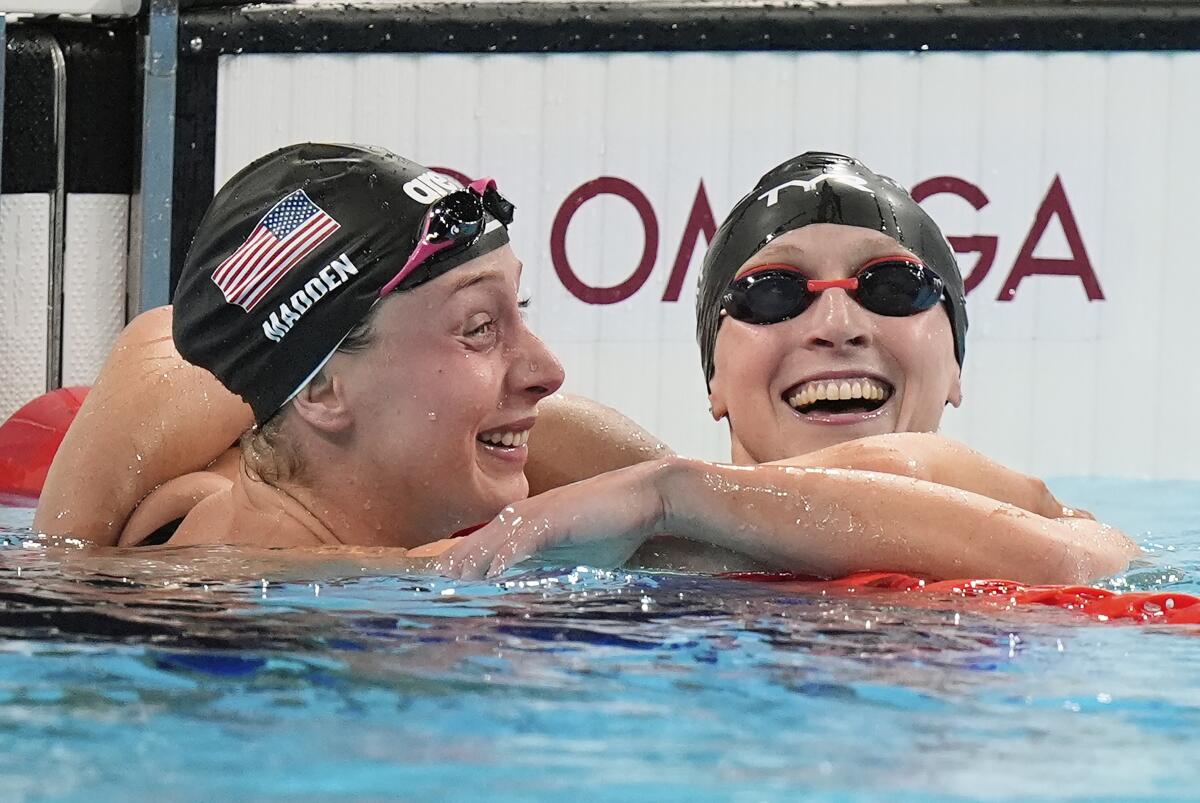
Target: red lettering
(700, 221)
(605, 185)
(1055, 203)
(982, 244)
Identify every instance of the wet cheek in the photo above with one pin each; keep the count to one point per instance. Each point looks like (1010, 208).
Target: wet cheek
(752, 354)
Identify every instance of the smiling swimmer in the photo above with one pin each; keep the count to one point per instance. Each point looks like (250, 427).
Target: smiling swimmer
(832, 326)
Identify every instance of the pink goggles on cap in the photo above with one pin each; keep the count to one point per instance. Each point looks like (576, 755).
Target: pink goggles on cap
(454, 222)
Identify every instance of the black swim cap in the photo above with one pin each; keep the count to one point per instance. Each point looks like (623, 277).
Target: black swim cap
(820, 187)
(291, 256)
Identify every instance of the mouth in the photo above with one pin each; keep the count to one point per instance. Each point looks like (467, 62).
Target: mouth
(508, 441)
(839, 399)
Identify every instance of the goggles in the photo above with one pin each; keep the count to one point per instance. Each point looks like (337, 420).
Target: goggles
(891, 286)
(454, 222)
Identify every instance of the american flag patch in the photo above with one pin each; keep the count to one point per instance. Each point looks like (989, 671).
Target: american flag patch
(285, 235)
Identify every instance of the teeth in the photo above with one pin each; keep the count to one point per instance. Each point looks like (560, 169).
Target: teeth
(839, 390)
(506, 438)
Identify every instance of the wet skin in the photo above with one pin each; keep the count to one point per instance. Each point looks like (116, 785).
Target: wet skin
(393, 439)
(453, 360)
(924, 506)
(824, 492)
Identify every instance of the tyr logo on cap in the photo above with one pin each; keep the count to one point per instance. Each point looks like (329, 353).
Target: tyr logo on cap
(285, 235)
(771, 196)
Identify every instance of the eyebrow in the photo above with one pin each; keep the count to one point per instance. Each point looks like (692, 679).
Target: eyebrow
(472, 279)
(785, 251)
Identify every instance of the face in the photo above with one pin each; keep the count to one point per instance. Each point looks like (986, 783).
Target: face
(444, 398)
(774, 381)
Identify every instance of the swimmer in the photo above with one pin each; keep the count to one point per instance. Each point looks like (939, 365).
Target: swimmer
(912, 505)
(384, 363)
(832, 326)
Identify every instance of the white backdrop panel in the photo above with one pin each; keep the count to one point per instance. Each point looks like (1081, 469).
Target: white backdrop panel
(93, 282)
(24, 290)
(1099, 144)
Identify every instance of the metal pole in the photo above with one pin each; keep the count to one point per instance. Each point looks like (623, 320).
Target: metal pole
(150, 269)
(58, 222)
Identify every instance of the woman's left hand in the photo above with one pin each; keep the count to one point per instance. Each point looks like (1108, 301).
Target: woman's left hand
(596, 522)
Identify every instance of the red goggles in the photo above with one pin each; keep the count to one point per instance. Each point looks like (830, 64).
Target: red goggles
(891, 286)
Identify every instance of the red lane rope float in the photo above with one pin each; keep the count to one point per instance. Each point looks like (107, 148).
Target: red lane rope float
(30, 438)
(1137, 607)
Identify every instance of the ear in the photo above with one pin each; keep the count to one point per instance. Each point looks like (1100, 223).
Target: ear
(716, 400)
(954, 398)
(322, 403)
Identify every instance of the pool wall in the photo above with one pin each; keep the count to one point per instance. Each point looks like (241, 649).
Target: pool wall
(1052, 141)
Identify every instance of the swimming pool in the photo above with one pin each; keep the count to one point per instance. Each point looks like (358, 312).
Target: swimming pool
(144, 676)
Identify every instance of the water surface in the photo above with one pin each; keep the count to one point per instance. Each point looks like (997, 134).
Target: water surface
(154, 675)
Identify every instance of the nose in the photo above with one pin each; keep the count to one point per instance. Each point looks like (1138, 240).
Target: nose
(836, 321)
(535, 372)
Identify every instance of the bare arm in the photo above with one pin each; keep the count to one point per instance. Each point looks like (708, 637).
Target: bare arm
(825, 522)
(577, 438)
(151, 417)
(934, 458)
(831, 522)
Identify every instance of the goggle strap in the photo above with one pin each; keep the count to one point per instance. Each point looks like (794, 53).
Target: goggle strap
(481, 185)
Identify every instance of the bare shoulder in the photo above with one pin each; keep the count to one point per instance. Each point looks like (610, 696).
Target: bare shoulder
(245, 512)
(210, 521)
(172, 501)
(577, 437)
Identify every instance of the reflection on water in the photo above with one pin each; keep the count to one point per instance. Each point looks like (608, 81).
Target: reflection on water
(202, 674)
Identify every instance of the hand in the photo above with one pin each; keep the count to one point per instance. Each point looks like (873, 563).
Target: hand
(597, 522)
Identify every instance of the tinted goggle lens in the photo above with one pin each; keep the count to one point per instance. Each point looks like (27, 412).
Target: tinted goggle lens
(456, 217)
(768, 297)
(459, 216)
(898, 289)
(895, 288)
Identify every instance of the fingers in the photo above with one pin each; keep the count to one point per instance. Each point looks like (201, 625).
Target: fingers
(474, 563)
(464, 562)
(485, 553)
(1075, 513)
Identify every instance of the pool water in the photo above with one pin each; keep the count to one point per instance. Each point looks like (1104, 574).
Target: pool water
(154, 676)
